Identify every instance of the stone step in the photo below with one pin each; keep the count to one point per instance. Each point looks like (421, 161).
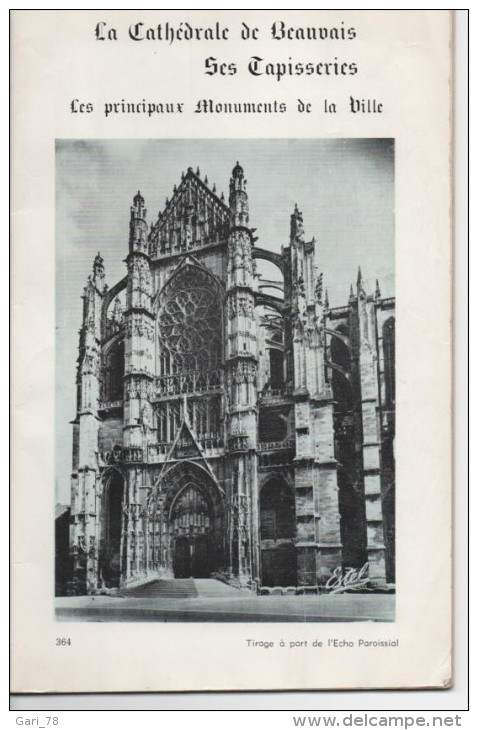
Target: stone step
(177, 588)
(182, 588)
(211, 588)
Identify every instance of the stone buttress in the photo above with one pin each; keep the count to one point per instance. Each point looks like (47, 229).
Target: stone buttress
(84, 498)
(138, 380)
(318, 541)
(241, 376)
(371, 446)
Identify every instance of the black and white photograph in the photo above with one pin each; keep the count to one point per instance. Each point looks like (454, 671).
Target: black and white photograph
(225, 380)
(234, 333)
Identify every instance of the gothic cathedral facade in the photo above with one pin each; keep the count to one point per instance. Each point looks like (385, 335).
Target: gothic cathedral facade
(228, 425)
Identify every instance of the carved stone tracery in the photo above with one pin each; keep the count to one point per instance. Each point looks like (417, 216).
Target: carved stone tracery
(190, 325)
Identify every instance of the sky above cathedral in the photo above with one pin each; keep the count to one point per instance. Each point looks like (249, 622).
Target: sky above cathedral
(344, 188)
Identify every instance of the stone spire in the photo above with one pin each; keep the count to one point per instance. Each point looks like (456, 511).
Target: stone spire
(138, 201)
(359, 279)
(138, 229)
(296, 225)
(98, 265)
(97, 278)
(237, 171)
(238, 201)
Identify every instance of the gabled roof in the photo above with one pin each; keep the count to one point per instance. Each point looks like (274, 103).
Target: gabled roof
(191, 181)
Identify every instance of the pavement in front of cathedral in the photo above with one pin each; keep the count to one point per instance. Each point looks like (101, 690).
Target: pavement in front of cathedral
(210, 600)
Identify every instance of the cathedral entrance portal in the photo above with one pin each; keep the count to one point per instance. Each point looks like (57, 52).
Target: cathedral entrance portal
(191, 524)
(191, 557)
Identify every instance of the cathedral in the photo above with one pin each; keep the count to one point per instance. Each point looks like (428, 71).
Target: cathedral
(229, 425)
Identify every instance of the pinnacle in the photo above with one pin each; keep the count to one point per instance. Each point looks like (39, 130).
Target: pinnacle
(237, 171)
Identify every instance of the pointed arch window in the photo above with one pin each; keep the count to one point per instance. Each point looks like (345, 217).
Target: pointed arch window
(114, 372)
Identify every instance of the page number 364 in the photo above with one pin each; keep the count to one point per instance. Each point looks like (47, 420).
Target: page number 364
(65, 641)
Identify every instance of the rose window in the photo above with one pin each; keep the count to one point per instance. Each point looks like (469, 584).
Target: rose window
(190, 332)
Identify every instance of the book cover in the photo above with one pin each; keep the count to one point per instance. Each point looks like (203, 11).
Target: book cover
(232, 383)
